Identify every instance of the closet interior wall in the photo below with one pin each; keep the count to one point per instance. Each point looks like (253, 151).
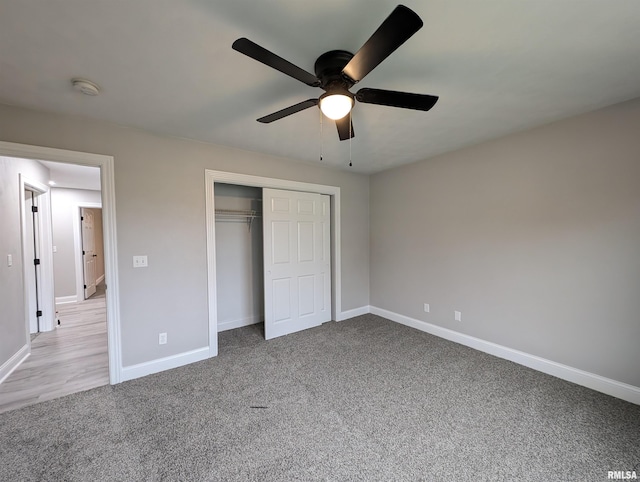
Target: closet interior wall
(239, 256)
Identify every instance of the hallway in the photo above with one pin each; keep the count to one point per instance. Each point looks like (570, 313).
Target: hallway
(70, 359)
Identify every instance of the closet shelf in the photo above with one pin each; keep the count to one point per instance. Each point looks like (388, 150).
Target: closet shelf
(237, 215)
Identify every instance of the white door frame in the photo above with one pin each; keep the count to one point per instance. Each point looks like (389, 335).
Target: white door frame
(211, 177)
(77, 245)
(106, 165)
(45, 242)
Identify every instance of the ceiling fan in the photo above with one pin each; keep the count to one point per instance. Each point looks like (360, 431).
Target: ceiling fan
(337, 71)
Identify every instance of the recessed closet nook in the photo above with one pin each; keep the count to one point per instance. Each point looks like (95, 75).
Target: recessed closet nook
(273, 258)
(239, 258)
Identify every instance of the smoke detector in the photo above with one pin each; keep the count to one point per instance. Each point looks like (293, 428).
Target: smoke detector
(85, 86)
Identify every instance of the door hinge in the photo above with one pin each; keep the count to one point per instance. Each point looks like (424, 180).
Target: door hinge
(83, 253)
(81, 218)
(36, 261)
(39, 313)
(34, 209)
(85, 287)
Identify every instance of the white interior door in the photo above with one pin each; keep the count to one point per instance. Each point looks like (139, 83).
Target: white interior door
(297, 261)
(32, 270)
(88, 252)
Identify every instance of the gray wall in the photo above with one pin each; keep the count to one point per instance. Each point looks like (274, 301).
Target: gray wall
(13, 335)
(534, 237)
(64, 205)
(239, 258)
(160, 203)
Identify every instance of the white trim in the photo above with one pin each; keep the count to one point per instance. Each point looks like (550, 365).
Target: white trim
(99, 279)
(239, 323)
(211, 177)
(162, 364)
(363, 310)
(14, 362)
(64, 300)
(580, 377)
(77, 244)
(106, 165)
(212, 291)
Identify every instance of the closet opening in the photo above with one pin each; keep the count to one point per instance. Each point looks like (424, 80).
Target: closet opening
(239, 258)
(273, 256)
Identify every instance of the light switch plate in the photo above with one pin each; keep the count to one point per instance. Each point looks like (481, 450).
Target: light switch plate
(457, 315)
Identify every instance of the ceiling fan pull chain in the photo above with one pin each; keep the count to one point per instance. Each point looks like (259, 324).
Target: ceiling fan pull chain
(350, 137)
(321, 138)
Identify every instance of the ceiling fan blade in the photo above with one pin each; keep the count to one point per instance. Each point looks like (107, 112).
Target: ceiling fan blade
(392, 98)
(343, 126)
(253, 50)
(394, 31)
(288, 111)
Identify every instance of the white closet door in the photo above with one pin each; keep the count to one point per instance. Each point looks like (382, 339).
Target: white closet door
(297, 261)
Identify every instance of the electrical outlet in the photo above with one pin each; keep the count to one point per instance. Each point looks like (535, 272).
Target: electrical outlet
(162, 339)
(140, 262)
(457, 315)
(9, 260)
(426, 308)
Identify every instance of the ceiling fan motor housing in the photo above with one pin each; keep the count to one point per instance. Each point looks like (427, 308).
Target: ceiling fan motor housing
(328, 69)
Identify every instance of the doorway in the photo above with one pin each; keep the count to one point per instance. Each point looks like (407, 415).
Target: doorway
(72, 355)
(88, 248)
(239, 256)
(106, 166)
(89, 268)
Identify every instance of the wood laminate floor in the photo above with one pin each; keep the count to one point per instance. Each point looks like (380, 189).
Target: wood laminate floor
(70, 359)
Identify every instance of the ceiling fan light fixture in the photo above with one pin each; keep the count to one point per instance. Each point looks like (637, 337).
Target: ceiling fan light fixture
(336, 105)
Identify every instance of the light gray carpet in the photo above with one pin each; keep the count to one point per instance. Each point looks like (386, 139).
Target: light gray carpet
(365, 399)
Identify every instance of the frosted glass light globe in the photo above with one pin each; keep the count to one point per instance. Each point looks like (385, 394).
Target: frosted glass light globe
(336, 106)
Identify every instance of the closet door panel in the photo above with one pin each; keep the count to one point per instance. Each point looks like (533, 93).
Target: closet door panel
(297, 261)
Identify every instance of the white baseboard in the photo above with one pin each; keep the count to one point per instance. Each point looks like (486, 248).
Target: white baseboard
(100, 279)
(230, 325)
(14, 362)
(162, 364)
(345, 315)
(590, 380)
(63, 300)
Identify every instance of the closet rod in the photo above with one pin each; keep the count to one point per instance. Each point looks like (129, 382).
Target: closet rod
(237, 214)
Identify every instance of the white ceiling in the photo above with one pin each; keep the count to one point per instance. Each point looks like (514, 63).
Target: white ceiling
(73, 176)
(167, 66)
